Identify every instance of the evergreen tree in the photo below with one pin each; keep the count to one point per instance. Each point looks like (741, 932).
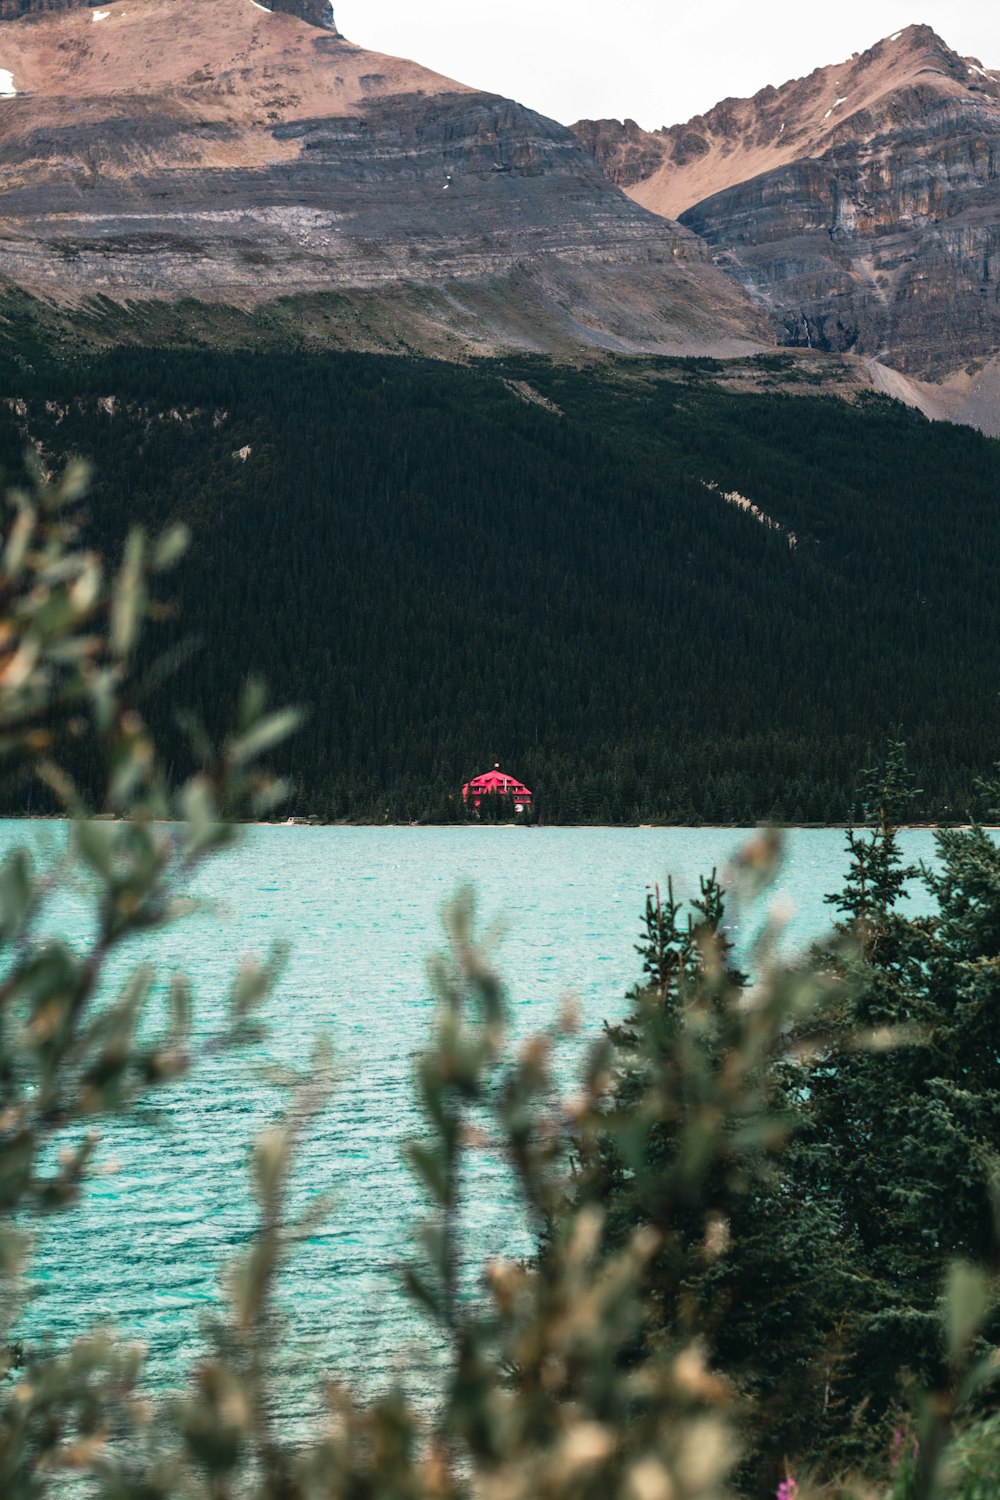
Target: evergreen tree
(743, 1259)
(817, 1275)
(902, 1105)
(367, 566)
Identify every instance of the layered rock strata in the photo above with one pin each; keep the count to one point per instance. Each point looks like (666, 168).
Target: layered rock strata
(860, 205)
(249, 154)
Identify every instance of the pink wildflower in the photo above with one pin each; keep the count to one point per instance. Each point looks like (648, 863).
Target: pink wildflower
(899, 1447)
(788, 1489)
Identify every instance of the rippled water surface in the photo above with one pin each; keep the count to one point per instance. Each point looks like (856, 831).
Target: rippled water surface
(361, 908)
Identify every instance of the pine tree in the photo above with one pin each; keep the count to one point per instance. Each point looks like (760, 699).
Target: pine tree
(902, 1106)
(743, 1258)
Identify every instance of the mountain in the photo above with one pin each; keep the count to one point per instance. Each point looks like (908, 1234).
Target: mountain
(860, 205)
(238, 154)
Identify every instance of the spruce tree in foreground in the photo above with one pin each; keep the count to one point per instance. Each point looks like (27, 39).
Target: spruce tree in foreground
(819, 1281)
(901, 1111)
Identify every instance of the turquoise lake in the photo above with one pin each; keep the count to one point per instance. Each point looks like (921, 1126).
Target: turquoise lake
(361, 906)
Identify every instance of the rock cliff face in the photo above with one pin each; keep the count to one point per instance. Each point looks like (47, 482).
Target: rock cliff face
(860, 205)
(315, 12)
(224, 151)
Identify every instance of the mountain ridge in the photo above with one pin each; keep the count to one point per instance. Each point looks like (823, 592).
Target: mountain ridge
(860, 205)
(251, 155)
(315, 12)
(679, 165)
(255, 158)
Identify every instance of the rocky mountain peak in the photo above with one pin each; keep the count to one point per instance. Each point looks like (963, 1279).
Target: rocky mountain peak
(913, 52)
(158, 149)
(900, 76)
(315, 12)
(860, 203)
(916, 38)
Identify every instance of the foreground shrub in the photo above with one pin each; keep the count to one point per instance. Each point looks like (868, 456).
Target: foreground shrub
(693, 1324)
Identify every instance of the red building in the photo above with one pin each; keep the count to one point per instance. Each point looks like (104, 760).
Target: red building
(496, 783)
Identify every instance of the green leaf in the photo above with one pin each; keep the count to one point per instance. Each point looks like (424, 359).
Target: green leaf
(180, 1009)
(253, 702)
(312, 1217)
(421, 1293)
(170, 547)
(432, 1169)
(128, 599)
(198, 805)
(255, 981)
(72, 485)
(16, 890)
(94, 844)
(265, 735)
(967, 1300)
(272, 1150)
(19, 538)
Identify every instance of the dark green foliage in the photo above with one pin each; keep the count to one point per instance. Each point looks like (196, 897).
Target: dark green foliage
(537, 1401)
(847, 1287)
(452, 575)
(877, 877)
(743, 1261)
(70, 1051)
(783, 1203)
(903, 1105)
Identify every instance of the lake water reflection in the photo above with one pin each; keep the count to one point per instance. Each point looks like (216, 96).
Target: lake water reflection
(361, 908)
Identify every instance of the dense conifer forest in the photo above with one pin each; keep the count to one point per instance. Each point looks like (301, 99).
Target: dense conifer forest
(543, 566)
(765, 1216)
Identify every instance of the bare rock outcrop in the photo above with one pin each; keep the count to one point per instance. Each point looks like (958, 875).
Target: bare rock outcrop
(253, 154)
(314, 12)
(860, 205)
(628, 154)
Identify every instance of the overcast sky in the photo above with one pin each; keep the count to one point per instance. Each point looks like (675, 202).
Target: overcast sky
(658, 61)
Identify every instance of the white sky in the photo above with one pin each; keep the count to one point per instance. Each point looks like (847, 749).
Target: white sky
(658, 61)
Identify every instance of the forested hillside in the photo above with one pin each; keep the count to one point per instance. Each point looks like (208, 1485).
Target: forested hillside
(524, 563)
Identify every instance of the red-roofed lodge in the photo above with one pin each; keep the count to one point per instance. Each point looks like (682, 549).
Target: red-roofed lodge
(496, 783)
